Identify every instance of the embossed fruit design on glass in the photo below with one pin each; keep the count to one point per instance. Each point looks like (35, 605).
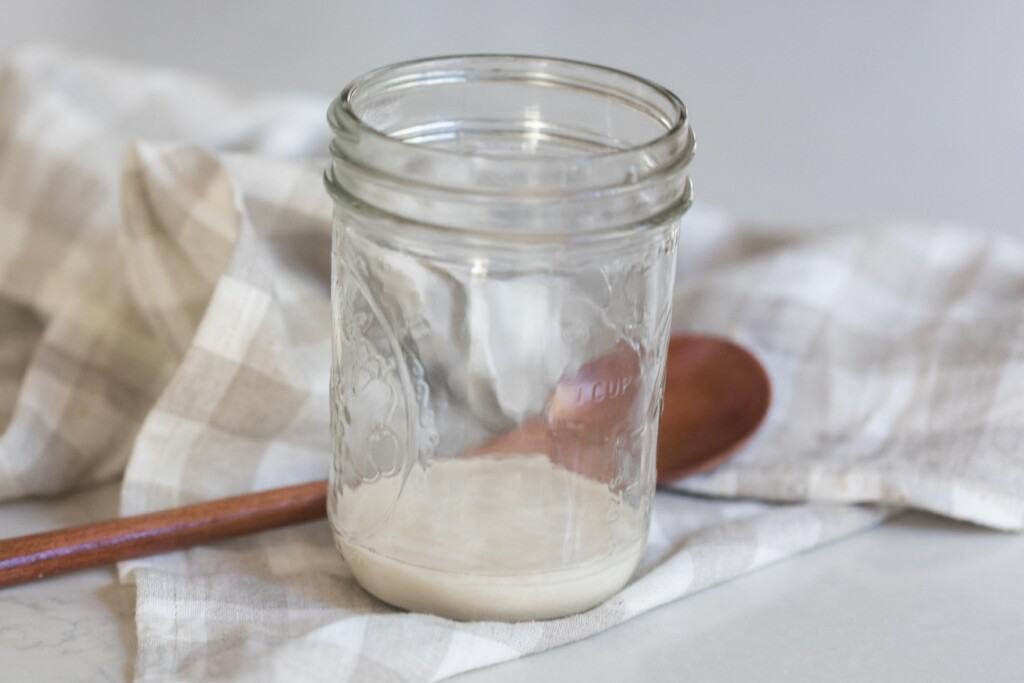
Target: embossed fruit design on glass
(503, 259)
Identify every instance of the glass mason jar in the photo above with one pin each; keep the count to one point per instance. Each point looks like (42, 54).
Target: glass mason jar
(503, 260)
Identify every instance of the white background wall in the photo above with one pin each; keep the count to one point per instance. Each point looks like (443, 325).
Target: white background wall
(805, 111)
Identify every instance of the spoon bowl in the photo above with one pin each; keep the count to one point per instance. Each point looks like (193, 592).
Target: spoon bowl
(716, 396)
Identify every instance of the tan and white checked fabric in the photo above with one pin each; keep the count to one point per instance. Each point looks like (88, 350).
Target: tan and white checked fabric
(66, 286)
(164, 301)
(897, 360)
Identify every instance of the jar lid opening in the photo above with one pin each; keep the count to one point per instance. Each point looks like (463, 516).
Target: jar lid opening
(537, 133)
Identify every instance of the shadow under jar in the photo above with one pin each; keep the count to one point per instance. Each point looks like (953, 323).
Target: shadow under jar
(503, 260)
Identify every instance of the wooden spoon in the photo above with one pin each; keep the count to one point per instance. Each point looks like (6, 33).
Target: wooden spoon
(716, 395)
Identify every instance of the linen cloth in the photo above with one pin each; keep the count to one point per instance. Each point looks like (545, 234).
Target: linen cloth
(164, 270)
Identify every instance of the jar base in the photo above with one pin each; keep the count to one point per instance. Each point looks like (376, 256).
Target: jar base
(468, 596)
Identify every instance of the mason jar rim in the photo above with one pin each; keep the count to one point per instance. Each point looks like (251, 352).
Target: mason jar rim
(519, 197)
(342, 115)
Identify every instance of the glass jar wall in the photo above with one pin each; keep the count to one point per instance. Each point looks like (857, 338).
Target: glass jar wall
(503, 260)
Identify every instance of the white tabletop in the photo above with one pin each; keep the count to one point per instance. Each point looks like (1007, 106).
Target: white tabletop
(919, 598)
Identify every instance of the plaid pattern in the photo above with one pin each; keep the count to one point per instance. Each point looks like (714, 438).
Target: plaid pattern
(186, 325)
(82, 362)
(897, 362)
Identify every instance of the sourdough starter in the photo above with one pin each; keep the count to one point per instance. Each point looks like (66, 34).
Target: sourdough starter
(505, 538)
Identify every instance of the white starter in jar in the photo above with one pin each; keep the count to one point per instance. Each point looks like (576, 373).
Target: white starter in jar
(501, 553)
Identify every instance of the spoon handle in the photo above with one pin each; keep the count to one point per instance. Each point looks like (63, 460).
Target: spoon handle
(27, 558)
